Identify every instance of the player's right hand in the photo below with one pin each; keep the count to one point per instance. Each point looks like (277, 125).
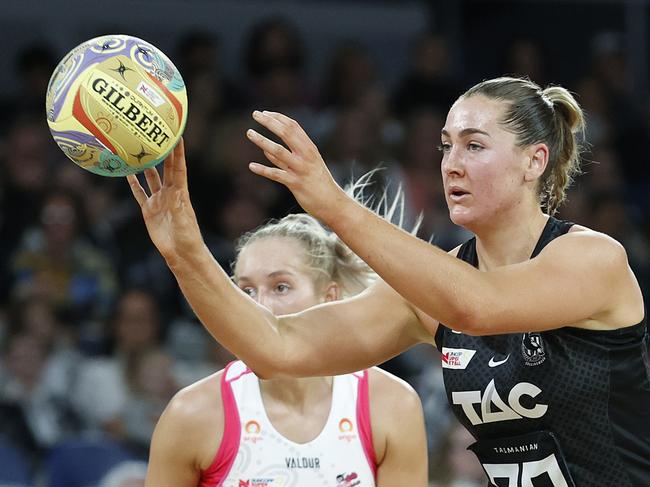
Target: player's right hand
(167, 211)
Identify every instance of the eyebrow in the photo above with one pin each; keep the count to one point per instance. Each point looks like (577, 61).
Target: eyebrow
(465, 132)
(271, 275)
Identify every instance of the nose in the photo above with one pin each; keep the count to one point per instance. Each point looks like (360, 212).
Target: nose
(452, 163)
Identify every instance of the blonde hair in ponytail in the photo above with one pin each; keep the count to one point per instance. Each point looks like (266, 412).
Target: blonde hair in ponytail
(327, 256)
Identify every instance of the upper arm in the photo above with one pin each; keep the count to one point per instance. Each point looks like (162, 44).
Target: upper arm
(186, 437)
(580, 279)
(398, 432)
(349, 335)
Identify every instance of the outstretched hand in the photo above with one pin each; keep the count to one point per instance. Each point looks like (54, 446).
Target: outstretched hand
(300, 167)
(167, 211)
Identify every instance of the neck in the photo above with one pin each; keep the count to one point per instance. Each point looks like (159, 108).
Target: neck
(298, 394)
(511, 238)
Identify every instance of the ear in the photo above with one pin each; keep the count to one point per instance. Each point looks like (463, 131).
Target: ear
(332, 292)
(537, 160)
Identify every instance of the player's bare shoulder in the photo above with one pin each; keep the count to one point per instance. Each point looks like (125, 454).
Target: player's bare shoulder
(592, 249)
(197, 398)
(389, 391)
(603, 259)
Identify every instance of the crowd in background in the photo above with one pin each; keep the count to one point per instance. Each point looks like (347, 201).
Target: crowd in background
(95, 337)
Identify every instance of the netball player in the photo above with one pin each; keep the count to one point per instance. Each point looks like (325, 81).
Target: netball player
(233, 429)
(540, 322)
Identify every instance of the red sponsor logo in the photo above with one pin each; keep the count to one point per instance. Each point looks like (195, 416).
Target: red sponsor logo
(261, 482)
(347, 480)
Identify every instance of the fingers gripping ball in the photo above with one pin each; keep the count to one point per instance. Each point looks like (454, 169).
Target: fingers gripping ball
(116, 105)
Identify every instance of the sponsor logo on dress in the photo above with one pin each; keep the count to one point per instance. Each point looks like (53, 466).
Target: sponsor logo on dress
(516, 449)
(346, 429)
(492, 408)
(532, 349)
(303, 462)
(496, 363)
(456, 358)
(258, 482)
(347, 480)
(252, 431)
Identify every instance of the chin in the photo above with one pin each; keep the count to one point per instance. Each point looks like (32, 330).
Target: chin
(463, 217)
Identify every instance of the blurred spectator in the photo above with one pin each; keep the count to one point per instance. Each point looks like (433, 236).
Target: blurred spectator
(39, 396)
(429, 82)
(350, 73)
(274, 59)
(624, 112)
(34, 65)
(151, 384)
(526, 58)
(211, 95)
(195, 353)
(101, 392)
(355, 145)
(23, 183)
(56, 261)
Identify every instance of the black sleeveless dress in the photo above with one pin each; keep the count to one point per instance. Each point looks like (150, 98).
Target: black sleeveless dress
(565, 407)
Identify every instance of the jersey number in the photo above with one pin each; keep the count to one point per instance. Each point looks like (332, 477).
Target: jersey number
(541, 473)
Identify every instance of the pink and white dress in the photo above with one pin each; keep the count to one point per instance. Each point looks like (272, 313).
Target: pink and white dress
(254, 454)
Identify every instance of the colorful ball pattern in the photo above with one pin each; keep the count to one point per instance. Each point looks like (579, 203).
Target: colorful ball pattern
(116, 105)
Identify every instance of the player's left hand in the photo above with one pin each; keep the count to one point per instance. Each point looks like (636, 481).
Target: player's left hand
(300, 167)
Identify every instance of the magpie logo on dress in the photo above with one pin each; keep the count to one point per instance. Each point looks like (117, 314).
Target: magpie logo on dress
(532, 349)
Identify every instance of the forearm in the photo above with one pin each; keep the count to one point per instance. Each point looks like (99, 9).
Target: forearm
(248, 330)
(328, 339)
(445, 288)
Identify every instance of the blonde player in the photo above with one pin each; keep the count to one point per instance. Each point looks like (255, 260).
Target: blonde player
(234, 429)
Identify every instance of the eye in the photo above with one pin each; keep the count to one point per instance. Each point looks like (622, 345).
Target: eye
(473, 146)
(444, 147)
(282, 288)
(249, 290)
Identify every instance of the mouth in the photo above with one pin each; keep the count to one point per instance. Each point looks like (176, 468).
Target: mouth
(457, 194)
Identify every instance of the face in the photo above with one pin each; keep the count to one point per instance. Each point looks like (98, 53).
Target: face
(483, 171)
(273, 271)
(136, 323)
(59, 220)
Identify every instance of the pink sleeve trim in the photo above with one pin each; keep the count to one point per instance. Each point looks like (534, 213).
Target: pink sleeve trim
(363, 422)
(216, 474)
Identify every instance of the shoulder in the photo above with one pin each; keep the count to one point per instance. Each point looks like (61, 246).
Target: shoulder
(582, 244)
(395, 413)
(603, 264)
(191, 403)
(389, 393)
(587, 238)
